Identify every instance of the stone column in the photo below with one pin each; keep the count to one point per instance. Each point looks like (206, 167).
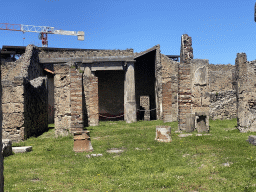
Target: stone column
(184, 85)
(90, 84)
(129, 94)
(245, 117)
(62, 115)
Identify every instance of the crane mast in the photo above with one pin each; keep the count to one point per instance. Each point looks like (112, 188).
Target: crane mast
(42, 30)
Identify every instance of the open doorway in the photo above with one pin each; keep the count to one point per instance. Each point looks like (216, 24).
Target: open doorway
(111, 95)
(145, 83)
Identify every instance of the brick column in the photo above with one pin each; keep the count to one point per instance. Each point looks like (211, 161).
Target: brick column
(77, 123)
(167, 102)
(93, 101)
(129, 94)
(185, 116)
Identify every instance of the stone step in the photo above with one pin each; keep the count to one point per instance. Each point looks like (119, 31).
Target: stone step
(21, 149)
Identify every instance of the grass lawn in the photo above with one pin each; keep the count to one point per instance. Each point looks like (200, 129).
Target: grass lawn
(195, 163)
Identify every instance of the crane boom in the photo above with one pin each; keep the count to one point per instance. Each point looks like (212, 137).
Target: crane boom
(43, 30)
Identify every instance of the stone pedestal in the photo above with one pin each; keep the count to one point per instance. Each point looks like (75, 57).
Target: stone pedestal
(163, 133)
(129, 94)
(82, 141)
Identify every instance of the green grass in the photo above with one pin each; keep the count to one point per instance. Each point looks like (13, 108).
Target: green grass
(186, 164)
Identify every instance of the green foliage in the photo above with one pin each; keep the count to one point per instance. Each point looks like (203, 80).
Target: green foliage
(192, 163)
(72, 67)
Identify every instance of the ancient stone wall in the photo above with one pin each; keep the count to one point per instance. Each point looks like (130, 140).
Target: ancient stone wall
(222, 91)
(15, 75)
(200, 97)
(221, 77)
(59, 53)
(1, 157)
(223, 104)
(170, 88)
(246, 93)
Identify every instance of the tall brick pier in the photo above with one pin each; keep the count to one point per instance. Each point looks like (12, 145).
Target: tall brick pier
(184, 84)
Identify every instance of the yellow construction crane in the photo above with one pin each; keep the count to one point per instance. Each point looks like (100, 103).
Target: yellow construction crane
(42, 30)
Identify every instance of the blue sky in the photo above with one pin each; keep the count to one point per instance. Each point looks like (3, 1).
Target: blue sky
(219, 29)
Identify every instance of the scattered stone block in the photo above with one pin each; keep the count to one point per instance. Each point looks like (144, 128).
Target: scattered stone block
(7, 147)
(227, 164)
(184, 135)
(114, 150)
(252, 139)
(163, 133)
(21, 149)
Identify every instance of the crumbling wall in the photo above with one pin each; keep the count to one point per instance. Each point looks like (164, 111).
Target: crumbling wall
(1, 157)
(14, 77)
(246, 93)
(58, 53)
(222, 91)
(170, 88)
(223, 104)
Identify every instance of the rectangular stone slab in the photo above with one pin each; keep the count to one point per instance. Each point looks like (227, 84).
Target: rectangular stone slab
(21, 149)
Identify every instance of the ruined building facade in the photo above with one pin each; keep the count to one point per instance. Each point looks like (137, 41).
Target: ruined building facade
(76, 88)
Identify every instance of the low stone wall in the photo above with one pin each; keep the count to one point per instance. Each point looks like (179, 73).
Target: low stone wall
(223, 105)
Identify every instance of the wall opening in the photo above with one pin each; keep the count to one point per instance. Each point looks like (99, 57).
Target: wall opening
(111, 95)
(201, 123)
(145, 82)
